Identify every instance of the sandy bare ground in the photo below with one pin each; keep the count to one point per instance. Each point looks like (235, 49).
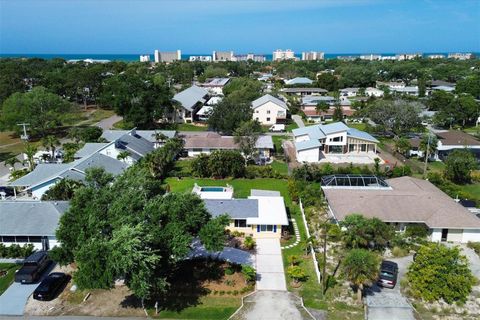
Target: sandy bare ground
(115, 302)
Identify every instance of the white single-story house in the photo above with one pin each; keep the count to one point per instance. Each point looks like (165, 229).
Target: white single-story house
(304, 91)
(407, 90)
(215, 86)
(201, 143)
(190, 100)
(374, 92)
(314, 100)
(269, 110)
(261, 215)
(317, 143)
(402, 202)
(349, 92)
(447, 142)
(30, 222)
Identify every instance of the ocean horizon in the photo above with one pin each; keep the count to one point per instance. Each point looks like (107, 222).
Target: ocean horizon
(136, 57)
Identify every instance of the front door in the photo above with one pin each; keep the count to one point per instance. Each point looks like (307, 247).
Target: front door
(444, 234)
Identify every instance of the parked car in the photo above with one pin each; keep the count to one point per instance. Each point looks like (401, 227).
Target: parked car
(33, 267)
(388, 274)
(277, 128)
(51, 286)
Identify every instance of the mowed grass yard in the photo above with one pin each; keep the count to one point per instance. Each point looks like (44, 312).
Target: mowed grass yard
(7, 280)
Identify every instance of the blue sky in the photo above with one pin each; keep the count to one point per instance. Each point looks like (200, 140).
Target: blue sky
(200, 26)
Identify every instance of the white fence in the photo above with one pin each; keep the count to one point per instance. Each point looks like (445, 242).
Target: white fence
(312, 252)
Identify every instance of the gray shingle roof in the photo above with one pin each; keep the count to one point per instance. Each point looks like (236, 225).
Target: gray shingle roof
(41, 173)
(188, 98)
(235, 208)
(268, 98)
(112, 135)
(110, 165)
(134, 143)
(30, 218)
(89, 149)
(264, 142)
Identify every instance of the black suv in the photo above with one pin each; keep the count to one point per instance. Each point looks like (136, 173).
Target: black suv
(33, 267)
(51, 286)
(388, 274)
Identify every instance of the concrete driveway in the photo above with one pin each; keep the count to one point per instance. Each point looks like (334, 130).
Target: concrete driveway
(298, 120)
(108, 123)
(13, 300)
(274, 305)
(270, 273)
(383, 303)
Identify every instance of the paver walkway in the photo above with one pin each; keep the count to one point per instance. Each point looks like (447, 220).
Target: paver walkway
(270, 273)
(297, 235)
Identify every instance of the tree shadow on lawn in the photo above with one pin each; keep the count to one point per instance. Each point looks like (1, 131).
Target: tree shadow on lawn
(187, 285)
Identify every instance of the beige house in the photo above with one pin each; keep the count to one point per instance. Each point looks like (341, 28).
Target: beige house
(402, 202)
(261, 215)
(269, 110)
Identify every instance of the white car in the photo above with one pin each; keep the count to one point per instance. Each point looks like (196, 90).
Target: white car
(277, 128)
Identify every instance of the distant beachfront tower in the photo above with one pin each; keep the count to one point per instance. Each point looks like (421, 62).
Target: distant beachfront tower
(167, 56)
(222, 56)
(461, 56)
(313, 55)
(408, 56)
(145, 58)
(279, 55)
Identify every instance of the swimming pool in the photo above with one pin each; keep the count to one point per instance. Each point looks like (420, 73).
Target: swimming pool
(212, 189)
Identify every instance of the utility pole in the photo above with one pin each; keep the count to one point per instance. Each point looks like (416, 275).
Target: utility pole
(24, 125)
(426, 157)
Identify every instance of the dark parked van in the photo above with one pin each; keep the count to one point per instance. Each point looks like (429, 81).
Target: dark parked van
(388, 274)
(33, 268)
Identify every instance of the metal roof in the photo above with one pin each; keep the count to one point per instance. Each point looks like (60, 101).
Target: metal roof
(295, 90)
(235, 208)
(268, 98)
(307, 144)
(188, 98)
(30, 218)
(355, 133)
(298, 80)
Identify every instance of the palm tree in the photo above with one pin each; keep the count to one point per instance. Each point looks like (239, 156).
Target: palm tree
(159, 137)
(428, 144)
(11, 162)
(50, 143)
(322, 106)
(402, 145)
(30, 150)
(360, 267)
(123, 155)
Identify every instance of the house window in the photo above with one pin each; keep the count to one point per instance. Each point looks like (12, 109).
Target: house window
(35, 239)
(268, 111)
(266, 227)
(256, 118)
(197, 149)
(8, 239)
(256, 111)
(337, 139)
(268, 119)
(240, 223)
(21, 239)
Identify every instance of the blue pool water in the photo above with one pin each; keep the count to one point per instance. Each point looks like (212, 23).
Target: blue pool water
(212, 189)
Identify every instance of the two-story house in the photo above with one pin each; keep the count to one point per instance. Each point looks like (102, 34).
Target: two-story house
(269, 110)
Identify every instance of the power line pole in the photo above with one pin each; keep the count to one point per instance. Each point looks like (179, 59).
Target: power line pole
(24, 125)
(426, 157)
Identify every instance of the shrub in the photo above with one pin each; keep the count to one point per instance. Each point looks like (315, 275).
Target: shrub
(459, 165)
(334, 232)
(16, 251)
(252, 172)
(249, 273)
(399, 252)
(199, 166)
(219, 164)
(293, 260)
(249, 243)
(417, 231)
(230, 283)
(235, 292)
(229, 271)
(475, 246)
(439, 272)
(222, 292)
(296, 273)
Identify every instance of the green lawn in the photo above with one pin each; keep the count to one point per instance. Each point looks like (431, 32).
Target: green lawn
(358, 126)
(208, 308)
(292, 125)
(190, 127)
(280, 167)
(7, 280)
(277, 141)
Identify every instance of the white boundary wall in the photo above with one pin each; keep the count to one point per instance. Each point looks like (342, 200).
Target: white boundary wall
(312, 252)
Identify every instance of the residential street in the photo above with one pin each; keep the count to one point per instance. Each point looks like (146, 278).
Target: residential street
(384, 303)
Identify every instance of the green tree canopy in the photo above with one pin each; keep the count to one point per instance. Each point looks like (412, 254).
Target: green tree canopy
(361, 232)
(130, 229)
(459, 165)
(439, 272)
(41, 109)
(398, 116)
(246, 136)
